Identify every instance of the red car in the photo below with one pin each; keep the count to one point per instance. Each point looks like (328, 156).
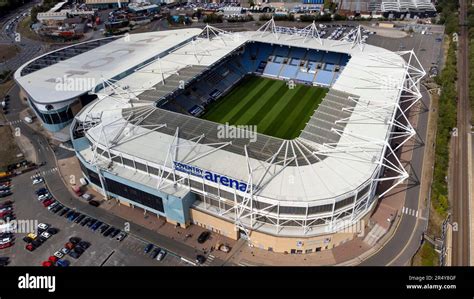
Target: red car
(47, 264)
(6, 245)
(6, 213)
(53, 259)
(30, 247)
(48, 202)
(69, 245)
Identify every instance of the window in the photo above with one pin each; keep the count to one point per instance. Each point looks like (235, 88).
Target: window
(344, 202)
(136, 195)
(308, 251)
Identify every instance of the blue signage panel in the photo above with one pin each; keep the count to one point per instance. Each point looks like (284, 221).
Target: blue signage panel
(211, 176)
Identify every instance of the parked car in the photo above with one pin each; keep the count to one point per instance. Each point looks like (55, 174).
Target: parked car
(74, 240)
(30, 247)
(114, 233)
(69, 245)
(44, 196)
(85, 221)
(203, 237)
(52, 230)
(62, 263)
(74, 254)
(84, 245)
(96, 225)
(53, 205)
(148, 248)
(94, 203)
(161, 255)
(79, 250)
(91, 222)
(155, 253)
(200, 259)
(59, 254)
(38, 180)
(42, 227)
(69, 214)
(41, 191)
(103, 228)
(121, 236)
(6, 245)
(64, 211)
(53, 259)
(108, 232)
(65, 250)
(79, 219)
(45, 235)
(48, 202)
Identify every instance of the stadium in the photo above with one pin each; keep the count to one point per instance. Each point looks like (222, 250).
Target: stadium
(276, 135)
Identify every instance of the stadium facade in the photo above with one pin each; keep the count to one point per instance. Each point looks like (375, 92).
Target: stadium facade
(140, 141)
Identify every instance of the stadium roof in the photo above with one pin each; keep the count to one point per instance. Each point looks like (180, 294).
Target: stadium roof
(103, 62)
(374, 75)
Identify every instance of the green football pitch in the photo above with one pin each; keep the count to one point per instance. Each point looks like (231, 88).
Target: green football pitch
(269, 104)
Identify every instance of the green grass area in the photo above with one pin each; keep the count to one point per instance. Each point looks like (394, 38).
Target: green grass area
(269, 104)
(428, 255)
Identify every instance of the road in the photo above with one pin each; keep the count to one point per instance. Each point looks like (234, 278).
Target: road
(406, 240)
(28, 48)
(460, 183)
